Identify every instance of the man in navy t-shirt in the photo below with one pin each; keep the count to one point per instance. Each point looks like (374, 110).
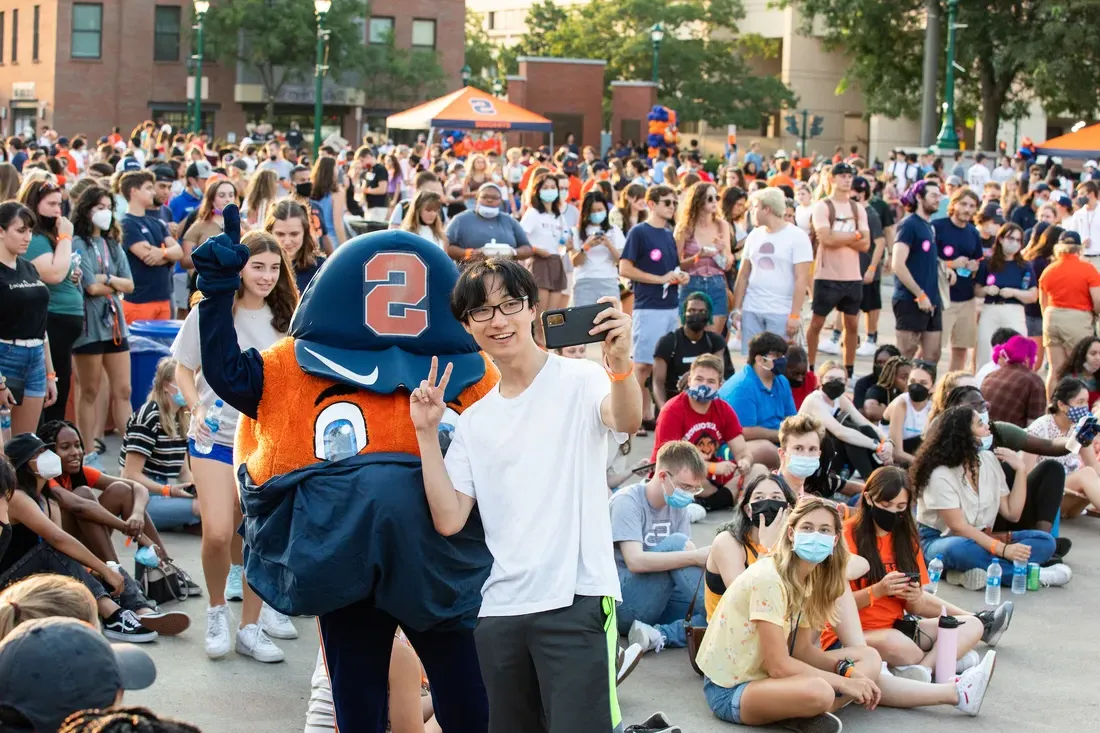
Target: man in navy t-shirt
(650, 261)
(918, 308)
(959, 244)
(150, 250)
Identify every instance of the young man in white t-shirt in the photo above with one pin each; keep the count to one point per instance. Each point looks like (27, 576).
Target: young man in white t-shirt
(775, 271)
(978, 174)
(533, 454)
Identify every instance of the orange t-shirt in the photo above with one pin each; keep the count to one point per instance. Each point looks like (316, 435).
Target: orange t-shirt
(886, 610)
(1066, 283)
(781, 179)
(91, 478)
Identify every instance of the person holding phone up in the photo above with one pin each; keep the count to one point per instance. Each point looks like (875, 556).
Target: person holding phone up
(596, 255)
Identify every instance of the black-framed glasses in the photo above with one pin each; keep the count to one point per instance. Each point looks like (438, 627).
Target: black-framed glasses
(712, 199)
(486, 312)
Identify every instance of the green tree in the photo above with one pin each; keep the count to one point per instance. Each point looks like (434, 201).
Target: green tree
(1009, 51)
(704, 72)
(481, 55)
(278, 38)
(398, 76)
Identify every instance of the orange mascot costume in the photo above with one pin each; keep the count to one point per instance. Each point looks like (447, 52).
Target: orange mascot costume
(336, 523)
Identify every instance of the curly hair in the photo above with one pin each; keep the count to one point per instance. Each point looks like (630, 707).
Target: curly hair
(122, 720)
(948, 442)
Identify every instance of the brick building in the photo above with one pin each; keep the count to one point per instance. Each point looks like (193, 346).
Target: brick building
(87, 66)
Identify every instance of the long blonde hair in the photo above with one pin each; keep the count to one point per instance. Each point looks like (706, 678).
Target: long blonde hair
(261, 192)
(424, 199)
(46, 596)
(816, 599)
(174, 420)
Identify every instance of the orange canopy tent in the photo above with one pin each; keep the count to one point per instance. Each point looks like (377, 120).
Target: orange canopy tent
(1085, 143)
(469, 109)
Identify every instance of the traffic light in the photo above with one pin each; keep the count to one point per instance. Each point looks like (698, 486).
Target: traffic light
(817, 125)
(792, 125)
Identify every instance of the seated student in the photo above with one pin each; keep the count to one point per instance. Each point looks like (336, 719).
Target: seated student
(46, 596)
(699, 417)
(1000, 336)
(760, 393)
(802, 380)
(37, 544)
(754, 673)
(884, 533)
(1084, 364)
(154, 452)
(659, 566)
(1015, 393)
(760, 517)
(894, 377)
(943, 389)
(908, 413)
(1068, 404)
(676, 350)
(849, 435)
(883, 354)
(806, 467)
(961, 488)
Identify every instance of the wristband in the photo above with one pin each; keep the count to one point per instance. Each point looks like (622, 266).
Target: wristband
(695, 260)
(166, 490)
(993, 548)
(617, 377)
(468, 255)
(922, 296)
(51, 375)
(859, 235)
(64, 238)
(794, 317)
(872, 268)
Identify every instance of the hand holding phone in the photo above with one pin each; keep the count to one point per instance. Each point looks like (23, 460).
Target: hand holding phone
(572, 326)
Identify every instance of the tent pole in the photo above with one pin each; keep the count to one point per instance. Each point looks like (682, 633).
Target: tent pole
(551, 142)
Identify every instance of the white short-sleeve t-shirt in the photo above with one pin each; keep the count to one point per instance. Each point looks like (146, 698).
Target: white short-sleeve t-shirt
(773, 256)
(537, 466)
(545, 231)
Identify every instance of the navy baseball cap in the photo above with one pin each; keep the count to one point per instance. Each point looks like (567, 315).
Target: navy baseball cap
(378, 311)
(1068, 237)
(130, 164)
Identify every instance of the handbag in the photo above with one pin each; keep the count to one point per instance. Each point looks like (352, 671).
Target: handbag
(162, 583)
(694, 633)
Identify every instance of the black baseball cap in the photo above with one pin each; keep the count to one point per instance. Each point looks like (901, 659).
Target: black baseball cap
(51, 668)
(163, 174)
(21, 448)
(843, 169)
(993, 212)
(1069, 237)
(861, 186)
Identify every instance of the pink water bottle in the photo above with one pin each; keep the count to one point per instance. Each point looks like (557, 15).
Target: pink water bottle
(947, 648)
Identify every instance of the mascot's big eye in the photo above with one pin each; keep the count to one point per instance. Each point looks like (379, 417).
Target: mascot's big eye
(340, 432)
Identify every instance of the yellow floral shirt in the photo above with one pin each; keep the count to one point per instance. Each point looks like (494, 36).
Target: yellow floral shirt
(730, 654)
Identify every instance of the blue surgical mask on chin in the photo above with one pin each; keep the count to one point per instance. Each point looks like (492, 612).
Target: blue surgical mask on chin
(803, 466)
(679, 499)
(986, 442)
(813, 547)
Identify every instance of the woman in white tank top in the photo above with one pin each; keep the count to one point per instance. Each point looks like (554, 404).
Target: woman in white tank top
(908, 413)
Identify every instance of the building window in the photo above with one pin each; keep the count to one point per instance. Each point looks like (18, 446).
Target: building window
(492, 20)
(1, 37)
(166, 33)
(87, 31)
(34, 36)
(423, 36)
(380, 30)
(15, 35)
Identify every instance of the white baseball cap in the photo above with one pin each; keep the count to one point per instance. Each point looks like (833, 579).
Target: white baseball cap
(1091, 164)
(780, 153)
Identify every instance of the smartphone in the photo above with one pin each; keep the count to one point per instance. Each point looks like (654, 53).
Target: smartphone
(914, 578)
(570, 326)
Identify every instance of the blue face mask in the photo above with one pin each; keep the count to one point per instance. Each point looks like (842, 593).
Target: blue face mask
(679, 499)
(1076, 413)
(548, 195)
(986, 442)
(702, 393)
(803, 466)
(813, 547)
(597, 217)
(963, 272)
(179, 399)
(147, 556)
(779, 366)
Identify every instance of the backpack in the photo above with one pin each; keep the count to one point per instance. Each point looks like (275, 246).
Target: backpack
(832, 222)
(162, 583)
(726, 361)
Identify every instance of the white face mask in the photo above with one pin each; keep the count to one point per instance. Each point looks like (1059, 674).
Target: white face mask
(102, 219)
(177, 187)
(48, 465)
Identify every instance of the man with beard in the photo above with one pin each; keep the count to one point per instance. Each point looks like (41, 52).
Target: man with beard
(918, 308)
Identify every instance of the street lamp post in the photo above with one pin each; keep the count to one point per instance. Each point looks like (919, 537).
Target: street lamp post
(656, 35)
(466, 74)
(321, 7)
(201, 6)
(947, 139)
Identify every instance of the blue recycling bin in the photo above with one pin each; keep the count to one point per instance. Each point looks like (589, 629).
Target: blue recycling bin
(145, 354)
(163, 332)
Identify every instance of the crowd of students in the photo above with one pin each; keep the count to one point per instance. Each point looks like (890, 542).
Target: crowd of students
(842, 488)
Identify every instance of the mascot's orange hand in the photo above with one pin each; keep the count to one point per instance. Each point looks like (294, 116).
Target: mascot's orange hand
(426, 404)
(220, 259)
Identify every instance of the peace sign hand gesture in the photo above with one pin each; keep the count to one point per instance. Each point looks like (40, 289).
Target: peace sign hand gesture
(426, 404)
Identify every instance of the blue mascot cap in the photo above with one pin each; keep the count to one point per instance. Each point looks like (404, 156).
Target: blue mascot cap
(376, 313)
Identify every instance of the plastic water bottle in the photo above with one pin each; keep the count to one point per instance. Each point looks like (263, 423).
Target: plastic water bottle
(935, 572)
(1019, 577)
(993, 584)
(5, 425)
(213, 423)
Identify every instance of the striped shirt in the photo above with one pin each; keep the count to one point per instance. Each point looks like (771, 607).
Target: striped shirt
(164, 456)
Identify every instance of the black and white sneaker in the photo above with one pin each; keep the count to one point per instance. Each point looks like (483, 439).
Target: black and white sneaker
(193, 588)
(656, 723)
(124, 625)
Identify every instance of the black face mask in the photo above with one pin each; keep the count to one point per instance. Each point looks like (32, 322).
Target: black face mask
(303, 189)
(876, 372)
(273, 157)
(918, 392)
(833, 389)
(49, 223)
(696, 321)
(767, 508)
(884, 518)
(796, 382)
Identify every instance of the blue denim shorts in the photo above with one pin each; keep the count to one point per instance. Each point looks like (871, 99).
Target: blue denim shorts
(221, 453)
(715, 288)
(724, 702)
(27, 363)
(650, 324)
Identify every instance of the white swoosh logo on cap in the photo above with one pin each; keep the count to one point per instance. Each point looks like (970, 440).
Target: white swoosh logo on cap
(365, 380)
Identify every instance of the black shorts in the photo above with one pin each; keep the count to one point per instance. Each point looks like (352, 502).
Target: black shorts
(909, 317)
(842, 295)
(872, 297)
(102, 347)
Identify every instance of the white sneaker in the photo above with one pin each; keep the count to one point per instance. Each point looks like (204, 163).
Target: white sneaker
(972, 579)
(628, 660)
(972, 684)
(734, 343)
(253, 642)
(218, 619)
(867, 348)
(968, 661)
(696, 513)
(828, 346)
(917, 672)
(647, 637)
(277, 625)
(1055, 575)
